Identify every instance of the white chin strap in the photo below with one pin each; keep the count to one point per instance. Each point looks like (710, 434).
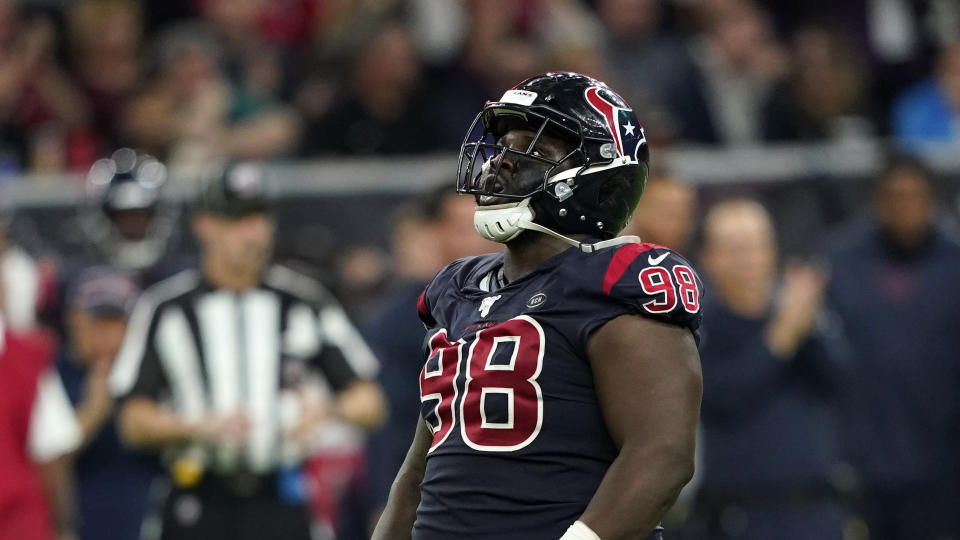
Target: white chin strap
(504, 222)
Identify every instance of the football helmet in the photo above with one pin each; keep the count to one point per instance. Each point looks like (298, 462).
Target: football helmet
(235, 189)
(592, 187)
(125, 218)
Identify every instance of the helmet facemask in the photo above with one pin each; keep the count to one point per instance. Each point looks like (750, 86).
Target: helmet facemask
(531, 171)
(126, 218)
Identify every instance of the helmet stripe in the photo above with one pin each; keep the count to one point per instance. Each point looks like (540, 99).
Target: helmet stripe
(608, 110)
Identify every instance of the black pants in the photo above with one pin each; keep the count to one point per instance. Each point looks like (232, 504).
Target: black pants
(215, 509)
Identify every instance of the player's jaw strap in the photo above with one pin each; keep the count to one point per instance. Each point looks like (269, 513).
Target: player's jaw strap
(503, 222)
(582, 246)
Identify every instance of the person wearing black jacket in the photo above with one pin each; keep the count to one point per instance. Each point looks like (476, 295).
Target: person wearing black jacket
(772, 377)
(894, 284)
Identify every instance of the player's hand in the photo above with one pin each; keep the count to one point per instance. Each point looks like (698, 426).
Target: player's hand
(314, 411)
(97, 398)
(800, 301)
(230, 430)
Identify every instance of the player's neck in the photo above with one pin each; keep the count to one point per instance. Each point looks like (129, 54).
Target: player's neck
(225, 276)
(528, 251)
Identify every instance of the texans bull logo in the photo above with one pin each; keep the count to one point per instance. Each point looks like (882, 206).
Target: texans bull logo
(622, 123)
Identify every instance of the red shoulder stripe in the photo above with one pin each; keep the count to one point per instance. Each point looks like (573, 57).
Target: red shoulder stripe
(621, 261)
(422, 304)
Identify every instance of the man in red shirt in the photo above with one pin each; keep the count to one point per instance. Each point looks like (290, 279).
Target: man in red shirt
(37, 430)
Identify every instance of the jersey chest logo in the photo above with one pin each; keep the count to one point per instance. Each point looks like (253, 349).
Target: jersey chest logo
(486, 304)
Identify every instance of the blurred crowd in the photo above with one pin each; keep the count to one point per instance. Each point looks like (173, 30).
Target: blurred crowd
(192, 80)
(831, 383)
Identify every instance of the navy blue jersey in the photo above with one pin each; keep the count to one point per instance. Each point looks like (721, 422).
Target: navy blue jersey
(519, 442)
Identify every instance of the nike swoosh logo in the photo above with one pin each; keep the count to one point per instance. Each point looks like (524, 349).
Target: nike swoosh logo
(656, 260)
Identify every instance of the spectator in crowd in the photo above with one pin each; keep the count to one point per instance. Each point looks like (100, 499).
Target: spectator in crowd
(665, 215)
(106, 47)
(108, 476)
(236, 24)
(898, 39)
(384, 110)
(426, 237)
(894, 284)
(504, 41)
(42, 112)
(930, 111)
(37, 432)
(735, 63)
(826, 95)
(499, 48)
(647, 62)
(185, 112)
(772, 378)
(255, 358)
(20, 280)
(256, 69)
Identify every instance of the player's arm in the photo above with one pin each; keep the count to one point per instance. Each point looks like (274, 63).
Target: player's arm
(144, 423)
(362, 404)
(648, 382)
(350, 367)
(398, 516)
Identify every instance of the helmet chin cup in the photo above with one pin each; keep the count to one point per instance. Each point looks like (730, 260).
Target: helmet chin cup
(503, 222)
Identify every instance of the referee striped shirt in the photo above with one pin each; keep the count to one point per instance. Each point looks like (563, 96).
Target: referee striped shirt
(202, 350)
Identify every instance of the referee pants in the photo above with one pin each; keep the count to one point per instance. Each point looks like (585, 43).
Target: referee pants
(217, 509)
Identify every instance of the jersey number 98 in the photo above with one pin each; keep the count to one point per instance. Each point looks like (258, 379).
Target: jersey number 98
(502, 365)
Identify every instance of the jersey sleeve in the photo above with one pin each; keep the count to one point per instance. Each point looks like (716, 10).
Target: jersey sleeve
(655, 282)
(137, 370)
(344, 355)
(54, 430)
(423, 310)
(429, 303)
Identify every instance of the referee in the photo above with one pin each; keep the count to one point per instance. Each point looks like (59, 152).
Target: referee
(228, 370)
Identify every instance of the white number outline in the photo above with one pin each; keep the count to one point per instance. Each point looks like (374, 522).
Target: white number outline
(438, 396)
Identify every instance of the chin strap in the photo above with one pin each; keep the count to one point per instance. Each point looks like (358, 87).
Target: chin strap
(503, 222)
(582, 246)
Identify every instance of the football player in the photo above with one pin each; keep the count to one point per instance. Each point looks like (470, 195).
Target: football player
(561, 389)
(126, 221)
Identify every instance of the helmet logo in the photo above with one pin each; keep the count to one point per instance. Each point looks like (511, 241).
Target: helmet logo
(621, 122)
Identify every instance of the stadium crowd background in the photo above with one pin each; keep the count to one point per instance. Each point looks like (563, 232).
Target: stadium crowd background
(360, 107)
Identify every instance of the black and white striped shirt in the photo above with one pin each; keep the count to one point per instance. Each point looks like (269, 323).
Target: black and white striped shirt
(202, 350)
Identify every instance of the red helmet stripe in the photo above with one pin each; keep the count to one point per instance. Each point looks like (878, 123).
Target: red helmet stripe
(608, 110)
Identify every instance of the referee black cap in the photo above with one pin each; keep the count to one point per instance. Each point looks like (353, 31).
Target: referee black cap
(240, 188)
